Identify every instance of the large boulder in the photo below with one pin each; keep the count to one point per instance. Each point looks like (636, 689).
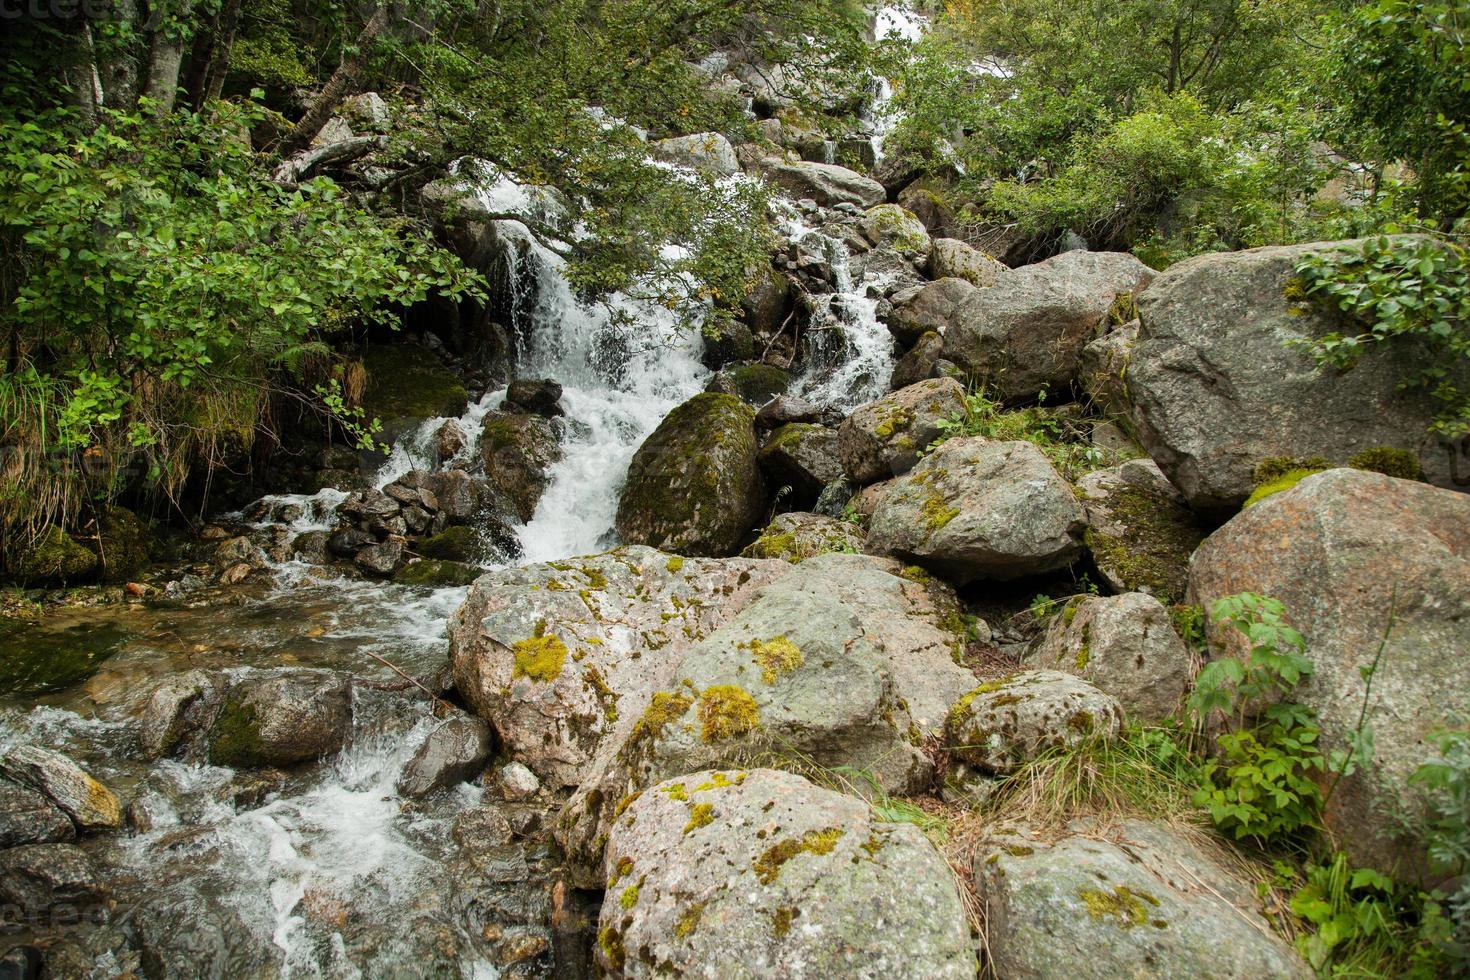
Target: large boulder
(801, 456)
(89, 804)
(701, 151)
(553, 655)
(976, 509)
(1026, 332)
(839, 662)
(695, 486)
(1218, 384)
(827, 184)
(1140, 530)
(927, 309)
(1150, 902)
(951, 258)
(797, 536)
(891, 226)
(518, 449)
(885, 437)
(281, 719)
(1361, 561)
(1123, 645)
(1003, 724)
(761, 874)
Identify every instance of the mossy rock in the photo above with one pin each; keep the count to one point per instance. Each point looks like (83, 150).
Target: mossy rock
(754, 384)
(1140, 531)
(461, 544)
(437, 573)
(406, 381)
(125, 541)
(54, 559)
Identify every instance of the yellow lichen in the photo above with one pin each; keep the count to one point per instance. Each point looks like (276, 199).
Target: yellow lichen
(1122, 904)
(675, 564)
(700, 815)
(689, 920)
(726, 711)
(768, 865)
(664, 708)
(539, 657)
(775, 656)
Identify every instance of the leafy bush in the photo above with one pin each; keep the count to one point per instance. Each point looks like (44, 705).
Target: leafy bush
(1445, 781)
(1401, 290)
(1262, 786)
(1064, 440)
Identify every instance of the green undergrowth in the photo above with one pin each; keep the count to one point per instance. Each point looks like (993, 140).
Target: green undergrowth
(1064, 438)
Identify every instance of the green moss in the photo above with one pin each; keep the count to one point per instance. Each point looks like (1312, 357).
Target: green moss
(781, 920)
(892, 419)
(1152, 551)
(664, 708)
(916, 574)
(937, 512)
(1273, 468)
(540, 658)
(775, 657)
(460, 544)
(626, 802)
(768, 865)
(675, 564)
(53, 558)
(622, 870)
(234, 740)
(719, 780)
(1389, 461)
(611, 943)
(726, 711)
(1082, 722)
(1284, 482)
(676, 791)
(405, 380)
(700, 815)
(1128, 908)
(436, 573)
(629, 897)
(688, 920)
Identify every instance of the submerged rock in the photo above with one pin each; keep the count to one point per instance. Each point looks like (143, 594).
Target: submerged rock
(1362, 562)
(694, 486)
(763, 869)
(885, 437)
(1151, 903)
(1217, 383)
(1123, 645)
(42, 880)
(281, 719)
(975, 509)
(1001, 725)
(88, 803)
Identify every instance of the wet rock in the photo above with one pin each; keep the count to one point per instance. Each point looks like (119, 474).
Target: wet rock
(1001, 725)
(920, 363)
(1026, 333)
(951, 258)
(754, 384)
(1348, 553)
(827, 184)
(518, 449)
(891, 226)
(48, 879)
(365, 506)
(481, 828)
(787, 409)
(237, 573)
(534, 396)
(407, 383)
(710, 152)
(1097, 908)
(1217, 385)
(461, 543)
(179, 710)
(449, 441)
(975, 509)
(801, 456)
(28, 817)
(1139, 529)
(281, 719)
(439, 574)
(53, 558)
(454, 752)
(694, 486)
(237, 550)
(839, 663)
(793, 877)
(885, 437)
(554, 655)
(345, 542)
(515, 781)
(313, 547)
(725, 341)
(381, 560)
(767, 300)
(184, 932)
(796, 537)
(461, 497)
(89, 804)
(1124, 646)
(835, 498)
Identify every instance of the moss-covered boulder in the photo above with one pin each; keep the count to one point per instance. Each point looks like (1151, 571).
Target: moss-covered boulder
(892, 226)
(695, 485)
(754, 384)
(976, 509)
(1125, 646)
(803, 457)
(1139, 529)
(885, 437)
(1003, 724)
(122, 543)
(439, 574)
(518, 449)
(759, 873)
(953, 259)
(281, 719)
(408, 382)
(726, 341)
(54, 558)
(1139, 899)
(461, 544)
(797, 536)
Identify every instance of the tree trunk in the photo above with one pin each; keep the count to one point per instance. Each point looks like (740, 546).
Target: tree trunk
(117, 65)
(210, 60)
(165, 57)
(81, 76)
(343, 80)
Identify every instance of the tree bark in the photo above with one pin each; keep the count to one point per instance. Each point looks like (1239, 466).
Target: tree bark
(117, 63)
(81, 76)
(165, 57)
(341, 84)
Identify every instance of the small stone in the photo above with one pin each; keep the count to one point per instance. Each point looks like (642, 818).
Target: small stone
(453, 752)
(89, 804)
(516, 782)
(28, 817)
